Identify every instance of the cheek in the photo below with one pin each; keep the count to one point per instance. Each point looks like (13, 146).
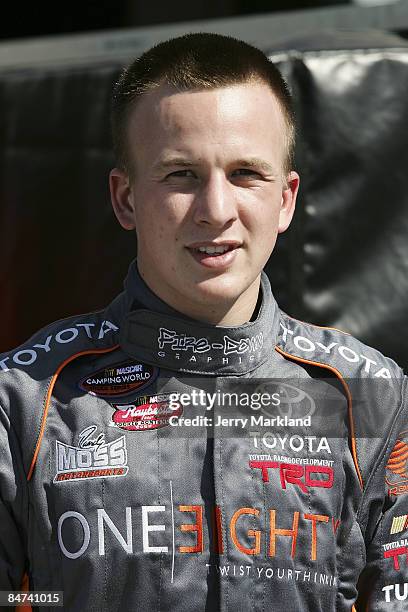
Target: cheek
(261, 219)
(173, 215)
(158, 222)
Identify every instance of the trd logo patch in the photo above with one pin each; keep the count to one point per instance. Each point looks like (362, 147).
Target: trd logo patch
(397, 468)
(119, 379)
(395, 550)
(299, 475)
(92, 458)
(145, 413)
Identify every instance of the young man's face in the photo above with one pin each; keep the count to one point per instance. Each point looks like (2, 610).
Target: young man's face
(208, 196)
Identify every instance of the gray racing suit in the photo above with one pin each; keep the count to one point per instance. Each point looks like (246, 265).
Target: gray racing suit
(152, 462)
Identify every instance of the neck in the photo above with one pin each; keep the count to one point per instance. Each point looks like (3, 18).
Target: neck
(227, 314)
(154, 332)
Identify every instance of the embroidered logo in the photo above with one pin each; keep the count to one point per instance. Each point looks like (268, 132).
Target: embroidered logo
(146, 412)
(119, 379)
(181, 342)
(395, 550)
(92, 458)
(397, 469)
(399, 524)
(299, 475)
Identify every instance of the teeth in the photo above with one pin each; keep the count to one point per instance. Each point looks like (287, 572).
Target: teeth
(210, 250)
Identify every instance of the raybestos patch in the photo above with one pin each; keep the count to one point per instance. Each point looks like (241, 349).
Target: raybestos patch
(119, 379)
(145, 413)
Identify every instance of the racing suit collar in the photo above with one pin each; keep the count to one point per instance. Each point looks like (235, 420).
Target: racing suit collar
(156, 333)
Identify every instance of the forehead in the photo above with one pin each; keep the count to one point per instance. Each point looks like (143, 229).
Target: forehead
(234, 117)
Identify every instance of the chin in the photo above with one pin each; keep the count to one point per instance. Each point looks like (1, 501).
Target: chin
(219, 289)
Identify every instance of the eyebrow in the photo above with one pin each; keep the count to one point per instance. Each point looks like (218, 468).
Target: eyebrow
(250, 162)
(256, 162)
(168, 162)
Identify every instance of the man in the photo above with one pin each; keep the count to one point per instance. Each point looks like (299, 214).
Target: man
(192, 447)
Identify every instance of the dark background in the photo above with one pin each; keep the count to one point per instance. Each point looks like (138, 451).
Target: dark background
(343, 262)
(45, 18)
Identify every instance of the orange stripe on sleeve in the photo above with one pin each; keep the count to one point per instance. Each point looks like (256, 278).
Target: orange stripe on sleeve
(349, 403)
(49, 395)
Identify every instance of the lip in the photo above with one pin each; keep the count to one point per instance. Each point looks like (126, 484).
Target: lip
(206, 243)
(215, 262)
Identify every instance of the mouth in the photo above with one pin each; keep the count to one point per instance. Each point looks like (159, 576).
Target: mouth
(214, 255)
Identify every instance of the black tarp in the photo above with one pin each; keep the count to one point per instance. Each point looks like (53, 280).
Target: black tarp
(344, 262)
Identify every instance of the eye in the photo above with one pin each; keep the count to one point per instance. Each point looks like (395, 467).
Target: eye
(245, 172)
(181, 173)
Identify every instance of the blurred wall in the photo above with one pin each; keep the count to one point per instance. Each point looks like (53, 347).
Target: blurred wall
(343, 263)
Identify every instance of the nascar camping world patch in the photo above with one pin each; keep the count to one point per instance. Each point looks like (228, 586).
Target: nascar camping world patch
(119, 379)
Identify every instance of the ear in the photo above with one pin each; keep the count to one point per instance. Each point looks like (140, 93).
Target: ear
(288, 203)
(121, 199)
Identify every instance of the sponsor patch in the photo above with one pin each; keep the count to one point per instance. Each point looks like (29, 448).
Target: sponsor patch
(304, 477)
(92, 458)
(394, 554)
(395, 592)
(146, 412)
(180, 342)
(119, 379)
(399, 524)
(274, 534)
(397, 467)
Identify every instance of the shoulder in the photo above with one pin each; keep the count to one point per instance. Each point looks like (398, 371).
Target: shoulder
(335, 348)
(27, 372)
(51, 345)
(374, 385)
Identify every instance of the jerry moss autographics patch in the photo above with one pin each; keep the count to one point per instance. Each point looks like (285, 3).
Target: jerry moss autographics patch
(119, 379)
(92, 457)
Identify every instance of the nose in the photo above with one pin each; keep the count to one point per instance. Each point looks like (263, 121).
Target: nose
(215, 203)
